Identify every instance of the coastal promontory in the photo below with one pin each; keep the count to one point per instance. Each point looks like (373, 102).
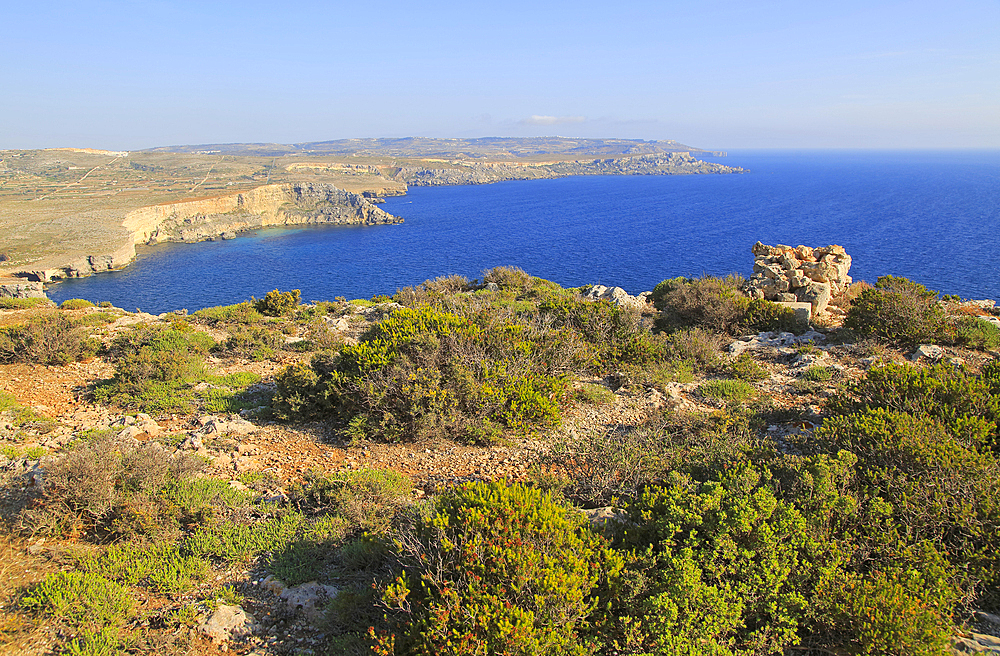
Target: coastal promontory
(70, 212)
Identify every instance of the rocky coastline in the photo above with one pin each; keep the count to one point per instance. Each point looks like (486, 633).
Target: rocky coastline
(464, 173)
(112, 246)
(223, 217)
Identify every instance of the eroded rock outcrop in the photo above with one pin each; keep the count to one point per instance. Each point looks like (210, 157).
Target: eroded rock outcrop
(800, 274)
(270, 205)
(619, 297)
(20, 288)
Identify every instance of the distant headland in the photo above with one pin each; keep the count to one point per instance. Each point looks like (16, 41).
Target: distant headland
(71, 212)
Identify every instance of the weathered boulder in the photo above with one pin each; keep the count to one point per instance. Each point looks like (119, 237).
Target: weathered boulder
(618, 296)
(929, 352)
(303, 597)
(816, 294)
(226, 623)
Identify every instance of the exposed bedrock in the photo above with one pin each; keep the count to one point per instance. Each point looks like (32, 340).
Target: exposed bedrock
(271, 205)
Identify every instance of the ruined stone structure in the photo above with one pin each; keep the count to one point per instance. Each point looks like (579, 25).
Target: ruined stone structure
(801, 274)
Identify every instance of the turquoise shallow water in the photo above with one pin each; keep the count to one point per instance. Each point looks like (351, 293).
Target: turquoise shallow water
(933, 217)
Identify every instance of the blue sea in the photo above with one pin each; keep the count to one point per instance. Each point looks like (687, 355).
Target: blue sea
(933, 217)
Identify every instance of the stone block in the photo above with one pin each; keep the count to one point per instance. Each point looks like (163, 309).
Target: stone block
(803, 311)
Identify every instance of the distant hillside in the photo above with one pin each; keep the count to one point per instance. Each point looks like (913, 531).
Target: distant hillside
(493, 148)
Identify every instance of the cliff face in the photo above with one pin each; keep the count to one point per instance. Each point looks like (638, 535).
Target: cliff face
(211, 218)
(487, 172)
(270, 205)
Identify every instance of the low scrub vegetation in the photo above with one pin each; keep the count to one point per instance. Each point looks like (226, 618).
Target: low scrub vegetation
(155, 368)
(75, 304)
(276, 303)
(52, 339)
(717, 304)
(876, 532)
(469, 366)
(905, 312)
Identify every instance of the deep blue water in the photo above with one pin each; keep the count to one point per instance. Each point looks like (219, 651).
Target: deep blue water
(933, 217)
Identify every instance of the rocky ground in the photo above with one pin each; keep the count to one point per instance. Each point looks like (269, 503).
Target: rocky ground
(286, 453)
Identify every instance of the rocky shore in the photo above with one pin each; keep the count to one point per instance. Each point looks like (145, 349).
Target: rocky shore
(61, 223)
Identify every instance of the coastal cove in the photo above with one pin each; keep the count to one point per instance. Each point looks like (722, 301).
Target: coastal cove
(933, 217)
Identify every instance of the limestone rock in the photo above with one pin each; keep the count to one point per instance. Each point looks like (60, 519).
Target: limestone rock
(975, 643)
(771, 340)
(803, 311)
(817, 294)
(21, 288)
(226, 623)
(303, 597)
(601, 516)
(232, 426)
(927, 352)
(618, 296)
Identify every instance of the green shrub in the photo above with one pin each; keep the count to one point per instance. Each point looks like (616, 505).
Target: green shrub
(107, 484)
(195, 500)
(499, 570)
(161, 568)
(243, 313)
(23, 303)
(105, 641)
(51, 339)
(366, 498)
(253, 343)
(745, 368)
(447, 284)
(241, 542)
(922, 484)
(507, 278)
(817, 374)
(893, 613)
(727, 389)
(276, 304)
(716, 568)
(969, 405)
(75, 304)
(760, 315)
(974, 333)
(898, 310)
(613, 334)
(420, 371)
(81, 600)
(696, 346)
(154, 367)
(716, 304)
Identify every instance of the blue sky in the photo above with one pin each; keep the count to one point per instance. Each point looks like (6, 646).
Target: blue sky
(721, 74)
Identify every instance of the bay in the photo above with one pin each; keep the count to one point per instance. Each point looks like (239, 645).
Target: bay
(933, 217)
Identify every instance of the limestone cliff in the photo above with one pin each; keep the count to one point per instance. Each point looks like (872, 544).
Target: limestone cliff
(270, 205)
(210, 218)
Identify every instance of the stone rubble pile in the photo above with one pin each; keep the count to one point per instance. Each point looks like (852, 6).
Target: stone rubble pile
(801, 274)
